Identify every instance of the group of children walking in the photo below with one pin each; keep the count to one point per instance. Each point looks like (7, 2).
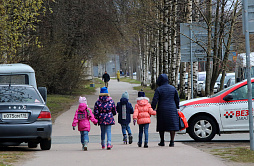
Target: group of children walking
(105, 109)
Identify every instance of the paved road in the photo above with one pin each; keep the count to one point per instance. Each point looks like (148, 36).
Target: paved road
(66, 147)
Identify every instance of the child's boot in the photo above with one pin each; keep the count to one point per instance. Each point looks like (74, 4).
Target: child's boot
(85, 146)
(103, 144)
(109, 147)
(146, 145)
(125, 139)
(130, 139)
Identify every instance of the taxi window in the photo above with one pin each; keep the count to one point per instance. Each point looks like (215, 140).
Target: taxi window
(240, 93)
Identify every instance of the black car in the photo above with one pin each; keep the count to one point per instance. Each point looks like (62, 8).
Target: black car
(24, 117)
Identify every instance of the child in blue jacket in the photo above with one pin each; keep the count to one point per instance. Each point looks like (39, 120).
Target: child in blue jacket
(124, 109)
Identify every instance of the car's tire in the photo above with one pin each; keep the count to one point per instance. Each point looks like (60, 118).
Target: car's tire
(32, 145)
(45, 144)
(202, 128)
(43, 92)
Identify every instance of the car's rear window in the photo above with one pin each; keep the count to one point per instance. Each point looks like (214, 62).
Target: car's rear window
(19, 94)
(14, 79)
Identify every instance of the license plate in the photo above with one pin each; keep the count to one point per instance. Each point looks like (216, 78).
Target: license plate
(14, 115)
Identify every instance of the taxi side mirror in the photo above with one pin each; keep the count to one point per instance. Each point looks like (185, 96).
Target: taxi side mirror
(228, 97)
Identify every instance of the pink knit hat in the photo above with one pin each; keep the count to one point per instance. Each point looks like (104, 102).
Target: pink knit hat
(82, 100)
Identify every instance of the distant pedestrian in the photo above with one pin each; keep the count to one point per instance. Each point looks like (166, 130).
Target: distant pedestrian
(167, 101)
(82, 116)
(106, 78)
(124, 110)
(118, 75)
(104, 110)
(142, 114)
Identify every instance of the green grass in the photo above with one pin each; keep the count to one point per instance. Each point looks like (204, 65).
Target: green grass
(127, 79)
(86, 89)
(7, 158)
(148, 91)
(59, 103)
(239, 154)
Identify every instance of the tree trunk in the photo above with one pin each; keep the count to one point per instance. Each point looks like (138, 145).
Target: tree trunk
(153, 61)
(189, 20)
(161, 43)
(173, 45)
(165, 36)
(182, 79)
(217, 42)
(209, 46)
(225, 59)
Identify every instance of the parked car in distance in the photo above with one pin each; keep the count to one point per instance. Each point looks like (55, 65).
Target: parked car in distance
(231, 81)
(223, 112)
(201, 80)
(215, 89)
(227, 77)
(215, 86)
(24, 117)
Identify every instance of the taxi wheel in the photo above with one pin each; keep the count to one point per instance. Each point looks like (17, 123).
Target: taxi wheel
(202, 128)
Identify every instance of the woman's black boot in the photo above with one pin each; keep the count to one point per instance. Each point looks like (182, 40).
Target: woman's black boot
(161, 144)
(171, 144)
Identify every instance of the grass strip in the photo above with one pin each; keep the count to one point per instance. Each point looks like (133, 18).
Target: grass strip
(7, 158)
(239, 154)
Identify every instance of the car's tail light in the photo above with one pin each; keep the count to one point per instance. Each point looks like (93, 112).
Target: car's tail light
(44, 115)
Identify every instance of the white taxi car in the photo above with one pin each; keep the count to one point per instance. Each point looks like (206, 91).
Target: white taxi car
(223, 112)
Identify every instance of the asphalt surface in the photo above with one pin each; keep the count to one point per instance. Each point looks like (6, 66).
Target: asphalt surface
(66, 146)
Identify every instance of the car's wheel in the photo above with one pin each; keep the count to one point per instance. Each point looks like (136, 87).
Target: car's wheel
(43, 92)
(202, 128)
(32, 145)
(45, 144)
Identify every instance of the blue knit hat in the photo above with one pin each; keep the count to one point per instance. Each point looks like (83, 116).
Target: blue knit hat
(141, 94)
(104, 90)
(125, 95)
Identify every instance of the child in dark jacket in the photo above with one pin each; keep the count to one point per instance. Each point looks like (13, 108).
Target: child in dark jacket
(124, 109)
(104, 110)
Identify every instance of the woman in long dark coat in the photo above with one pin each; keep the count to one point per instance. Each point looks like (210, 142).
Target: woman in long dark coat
(166, 97)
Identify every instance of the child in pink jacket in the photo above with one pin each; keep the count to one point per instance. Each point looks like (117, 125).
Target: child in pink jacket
(82, 116)
(142, 114)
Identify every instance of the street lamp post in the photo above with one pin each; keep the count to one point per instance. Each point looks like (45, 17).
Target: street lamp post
(247, 46)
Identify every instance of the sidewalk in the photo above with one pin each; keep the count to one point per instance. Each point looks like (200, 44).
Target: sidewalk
(66, 147)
